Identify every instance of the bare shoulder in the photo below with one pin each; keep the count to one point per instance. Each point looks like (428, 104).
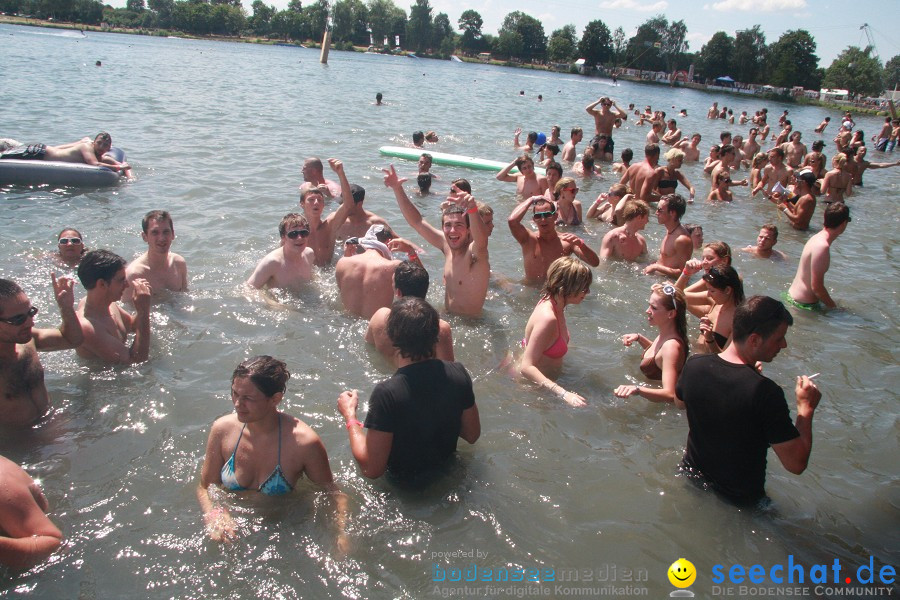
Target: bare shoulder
(303, 434)
(177, 260)
(137, 268)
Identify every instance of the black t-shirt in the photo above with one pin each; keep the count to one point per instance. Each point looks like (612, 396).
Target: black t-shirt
(421, 405)
(734, 415)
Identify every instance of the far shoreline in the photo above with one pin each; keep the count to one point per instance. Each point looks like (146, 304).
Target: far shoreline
(310, 44)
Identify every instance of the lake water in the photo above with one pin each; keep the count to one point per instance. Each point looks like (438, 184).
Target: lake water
(217, 133)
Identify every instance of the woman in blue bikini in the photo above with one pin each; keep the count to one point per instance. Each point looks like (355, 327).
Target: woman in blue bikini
(258, 447)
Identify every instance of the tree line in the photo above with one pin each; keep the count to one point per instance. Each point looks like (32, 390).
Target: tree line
(658, 44)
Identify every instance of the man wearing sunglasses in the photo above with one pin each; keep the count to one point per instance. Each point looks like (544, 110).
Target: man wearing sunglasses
(290, 266)
(162, 269)
(24, 398)
(540, 248)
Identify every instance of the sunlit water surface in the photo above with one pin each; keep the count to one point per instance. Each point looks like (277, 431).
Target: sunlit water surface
(217, 132)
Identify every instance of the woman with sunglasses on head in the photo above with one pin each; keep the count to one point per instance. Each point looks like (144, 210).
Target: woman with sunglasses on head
(724, 293)
(259, 448)
(289, 266)
(568, 209)
(70, 247)
(663, 357)
(546, 333)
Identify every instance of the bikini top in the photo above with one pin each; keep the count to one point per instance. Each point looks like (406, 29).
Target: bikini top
(650, 369)
(559, 348)
(668, 183)
(275, 485)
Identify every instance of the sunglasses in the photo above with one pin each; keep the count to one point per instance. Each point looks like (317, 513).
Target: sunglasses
(574, 190)
(294, 234)
(17, 320)
(540, 216)
(67, 241)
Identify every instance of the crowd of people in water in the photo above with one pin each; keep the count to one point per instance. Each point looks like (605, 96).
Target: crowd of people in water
(416, 417)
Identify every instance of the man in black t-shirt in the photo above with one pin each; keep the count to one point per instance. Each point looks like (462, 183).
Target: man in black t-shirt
(735, 413)
(416, 416)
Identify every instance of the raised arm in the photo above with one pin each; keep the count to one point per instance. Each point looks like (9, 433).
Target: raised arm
(504, 175)
(515, 220)
(589, 109)
(432, 235)
(69, 334)
(337, 219)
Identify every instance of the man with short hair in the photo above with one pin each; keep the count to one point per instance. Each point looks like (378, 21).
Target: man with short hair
(323, 232)
(569, 152)
(463, 241)
(83, 151)
(289, 266)
(314, 176)
(638, 176)
(415, 417)
(418, 138)
(794, 150)
(364, 279)
(425, 162)
(540, 248)
(799, 210)
(774, 172)
(673, 133)
(23, 395)
(162, 269)
(765, 242)
(691, 148)
(105, 324)
(604, 121)
(808, 289)
(626, 242)
(27, 536)
(735, 413)
(750, 146)
(676, 247)
(410, 280)
(359, 220)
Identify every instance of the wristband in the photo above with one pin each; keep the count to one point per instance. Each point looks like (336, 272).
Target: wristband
(784, 210)
(685, 271)
(352, 422)
(472, 210)
(412, 255)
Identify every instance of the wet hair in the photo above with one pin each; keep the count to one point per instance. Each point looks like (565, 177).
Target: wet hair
(413, 327)
(462, 184)
(562, 183)
(576, 131)
(358, 192)
(675, 301)
(157, 215)
(634, 208)
(627, 155)
(567, 276)
(291, 219)
(759, 160)
(721, 249)
(268, 374)
(314, 189)
(418, 138)
(726, 149)
(761, 315)
(770, 227)
(484, 209)
(104, 138)
(619, 189)
(588, 163)
(835, 214)
(651, 150)
(722, 277)
(532, 137)
(778, 151)
(839, 160)
(65, 229)
(411, 279)
(424, 182)
(828, 119)
(9, 289)
(553, 148)
(818, 145)
(99, 264)
(673, 154)
(724, 135)
(554, 166)
(523, 159)
(378, 96)
(675, 203)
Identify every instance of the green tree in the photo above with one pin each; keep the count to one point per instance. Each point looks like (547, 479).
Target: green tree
(749, 55)
(892, 73)
(136, 5)
(419, 26)
(509, 44)
(443, 40)
(856, 71)
(260, 21)
(349, 22)
(164, 10)
(562, 45)
(793, 61)
(716, 55)
(534, 42)
(643, 49)
(618, 45)
(386, 20)
(674, 43)
(470, 23)
(595, 46)
(315, 19)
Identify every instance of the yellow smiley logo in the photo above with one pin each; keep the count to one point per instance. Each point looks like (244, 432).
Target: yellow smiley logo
(682, 573)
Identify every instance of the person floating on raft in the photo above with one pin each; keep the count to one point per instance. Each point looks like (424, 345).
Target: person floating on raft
(85, 151)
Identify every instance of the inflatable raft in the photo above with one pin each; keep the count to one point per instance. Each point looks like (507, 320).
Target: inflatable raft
(53, 172)
(450, 160)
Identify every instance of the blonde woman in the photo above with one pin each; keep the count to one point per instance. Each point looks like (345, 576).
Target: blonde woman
(568, 209)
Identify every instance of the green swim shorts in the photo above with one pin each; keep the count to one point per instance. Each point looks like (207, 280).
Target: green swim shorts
(814, 306)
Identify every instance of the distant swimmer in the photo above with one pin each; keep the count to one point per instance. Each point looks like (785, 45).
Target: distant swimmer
(105, 324)
(83, 151)
(289, 266)
(70, 247)
(378, 98)
(162, 269)
(23, 396)
(823, 125)
(808, 289)
(605, 119)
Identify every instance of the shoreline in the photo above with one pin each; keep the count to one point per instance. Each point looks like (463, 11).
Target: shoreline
(311, 44)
